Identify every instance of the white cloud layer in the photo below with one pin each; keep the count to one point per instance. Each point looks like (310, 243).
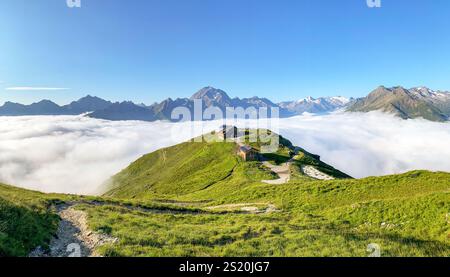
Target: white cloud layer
(70, 154)
(372, 144)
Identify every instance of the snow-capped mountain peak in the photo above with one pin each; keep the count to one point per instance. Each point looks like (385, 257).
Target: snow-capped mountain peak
(424, 92)
(315, 105)
(339, 100)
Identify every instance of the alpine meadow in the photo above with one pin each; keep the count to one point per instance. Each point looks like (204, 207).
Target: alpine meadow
(224, 136)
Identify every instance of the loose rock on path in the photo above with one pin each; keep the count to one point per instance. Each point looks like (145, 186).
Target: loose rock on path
(73, 238)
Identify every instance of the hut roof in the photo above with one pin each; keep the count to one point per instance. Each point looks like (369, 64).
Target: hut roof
(246, 148)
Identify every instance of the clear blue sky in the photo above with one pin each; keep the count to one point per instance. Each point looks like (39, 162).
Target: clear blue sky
(147, 50)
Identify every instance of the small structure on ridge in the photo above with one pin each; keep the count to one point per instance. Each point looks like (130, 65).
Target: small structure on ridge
(248, 153)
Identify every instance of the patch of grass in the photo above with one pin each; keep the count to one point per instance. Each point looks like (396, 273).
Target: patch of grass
(26, 220)
(177, 170)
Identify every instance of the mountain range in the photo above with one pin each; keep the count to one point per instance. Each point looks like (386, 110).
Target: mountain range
(47, 107)
(406, 103)
(209, 96)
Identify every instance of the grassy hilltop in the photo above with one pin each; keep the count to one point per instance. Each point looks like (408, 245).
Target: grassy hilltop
(201, 199)
(204, 170)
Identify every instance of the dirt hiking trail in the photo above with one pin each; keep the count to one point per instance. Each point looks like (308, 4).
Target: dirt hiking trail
(73, 238)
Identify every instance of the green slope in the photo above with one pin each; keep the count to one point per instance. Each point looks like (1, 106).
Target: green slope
(407, 215)
(182, 169)
(207, 169)
(26, 220)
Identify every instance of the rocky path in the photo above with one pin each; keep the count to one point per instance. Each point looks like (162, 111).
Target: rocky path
(283, 171)
(73, 238)
(251, 208)
(314, 173)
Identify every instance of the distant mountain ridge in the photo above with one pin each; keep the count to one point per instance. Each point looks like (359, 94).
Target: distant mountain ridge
(47, 107)
(212, 97)
(124, 111)
(420, 102)
(87, 104)
(209, 96)
(406, 103)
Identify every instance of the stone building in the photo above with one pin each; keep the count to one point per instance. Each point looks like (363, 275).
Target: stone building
(248, 153)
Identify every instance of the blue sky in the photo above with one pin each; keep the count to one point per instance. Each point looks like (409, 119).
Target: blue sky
(148, 50)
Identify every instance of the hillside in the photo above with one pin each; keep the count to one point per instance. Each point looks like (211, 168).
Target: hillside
(26, 220)
(201, 167)
(407, 104)
(406, 215)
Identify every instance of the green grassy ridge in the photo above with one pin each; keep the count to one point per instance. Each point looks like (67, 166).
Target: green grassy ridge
(405, 214)
(195, 169)
(190, 167)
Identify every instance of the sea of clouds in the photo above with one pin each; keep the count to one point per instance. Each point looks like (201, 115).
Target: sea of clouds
(76, 154)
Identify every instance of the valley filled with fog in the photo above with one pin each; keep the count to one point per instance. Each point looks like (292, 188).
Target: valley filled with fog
(76, 154)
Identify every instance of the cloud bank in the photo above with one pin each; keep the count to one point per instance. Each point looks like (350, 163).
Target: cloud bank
(74, 154)
(372, 144)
